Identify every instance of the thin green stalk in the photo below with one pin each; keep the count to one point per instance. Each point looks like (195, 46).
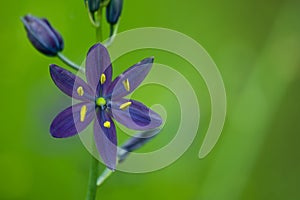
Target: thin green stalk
(105, 174)
(69, 62)
(92, 187)
(99, 36)
(105, 3)
(112, 35)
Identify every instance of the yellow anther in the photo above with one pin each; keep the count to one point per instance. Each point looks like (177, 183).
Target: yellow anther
(126, 85)
(106, 124)
(102, 78)
(80, 91)
(83, 111)
(125, 105)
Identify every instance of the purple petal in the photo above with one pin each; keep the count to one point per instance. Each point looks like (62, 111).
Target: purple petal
(106, 139)
(97, 63)
(70, 83)
(69, 123)
(134, 75)
(137, 116)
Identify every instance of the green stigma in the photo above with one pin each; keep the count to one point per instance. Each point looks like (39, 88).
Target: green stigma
(101, 102)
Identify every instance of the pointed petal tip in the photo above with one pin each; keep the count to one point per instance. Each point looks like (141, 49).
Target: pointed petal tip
(25, 18)
(55, 133)
(97, 45)
(148, 60)
(112, 167)
(159, 122)
(111, 164)
(93, 47)
(68, 122)
(106, 140)
(54, 67)
(137, 117)
(52, 133)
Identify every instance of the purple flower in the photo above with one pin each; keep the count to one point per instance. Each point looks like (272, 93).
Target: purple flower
(103, 99)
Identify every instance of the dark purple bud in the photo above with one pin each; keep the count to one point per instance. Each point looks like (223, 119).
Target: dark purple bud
(136, 142)
(42, 35)
(113, 11)
(93, 5)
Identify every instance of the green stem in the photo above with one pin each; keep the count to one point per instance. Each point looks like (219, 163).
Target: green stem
(92, 187)
(69, 62)
(112, 35)
(99, 34)
(98, 16)
(104, 3)
(106, 173)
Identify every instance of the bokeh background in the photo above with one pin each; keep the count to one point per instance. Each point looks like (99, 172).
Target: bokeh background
(256, 46)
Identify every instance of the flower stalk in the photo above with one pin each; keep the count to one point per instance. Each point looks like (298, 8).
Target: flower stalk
(112, 35)
(69, 62)
(92, 185)
(105, 175)
(99, 35)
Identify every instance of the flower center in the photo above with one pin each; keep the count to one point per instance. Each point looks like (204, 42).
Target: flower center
(101, 101)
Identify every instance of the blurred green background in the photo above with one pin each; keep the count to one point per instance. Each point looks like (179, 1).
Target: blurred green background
(256, 46)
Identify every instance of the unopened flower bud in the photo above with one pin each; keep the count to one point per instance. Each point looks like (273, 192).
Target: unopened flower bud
(93, 5)
(42, 35)
(113, 11)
